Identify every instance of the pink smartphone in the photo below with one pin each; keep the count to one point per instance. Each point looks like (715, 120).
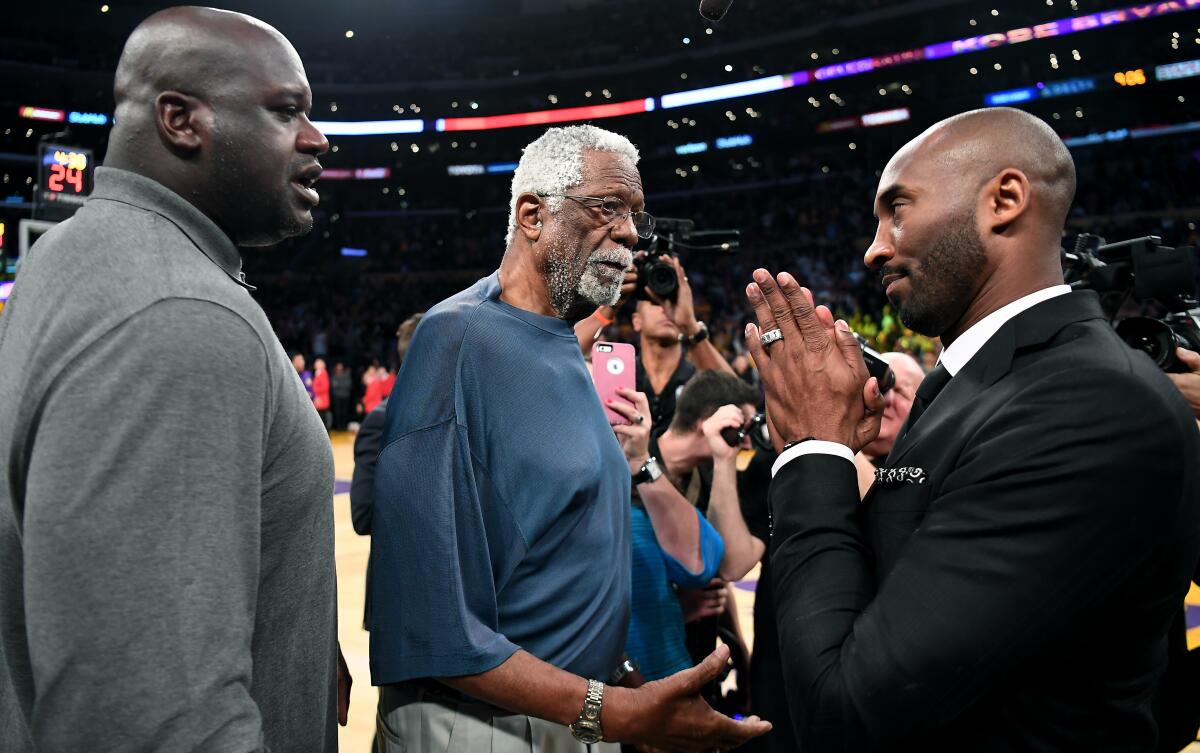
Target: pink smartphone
(613, 367)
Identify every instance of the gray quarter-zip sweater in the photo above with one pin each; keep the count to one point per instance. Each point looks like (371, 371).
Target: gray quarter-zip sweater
(166, 523)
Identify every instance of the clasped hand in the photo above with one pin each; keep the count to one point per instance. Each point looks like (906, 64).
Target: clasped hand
(816, 381)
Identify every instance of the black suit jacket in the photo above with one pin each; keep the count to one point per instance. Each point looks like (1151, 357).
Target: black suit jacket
(1016, 595)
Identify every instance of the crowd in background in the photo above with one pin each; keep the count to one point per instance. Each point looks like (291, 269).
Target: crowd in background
(817, 225)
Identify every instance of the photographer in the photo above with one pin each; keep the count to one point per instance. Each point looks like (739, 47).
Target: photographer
(664, 326)
(701, 466)
(1188, 382)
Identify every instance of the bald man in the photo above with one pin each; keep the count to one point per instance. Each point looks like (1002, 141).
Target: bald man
(1008, 583)
(166, 531)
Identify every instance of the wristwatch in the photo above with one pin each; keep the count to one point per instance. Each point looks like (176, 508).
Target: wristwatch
(650, 472)
(700, 336)
(586, 728)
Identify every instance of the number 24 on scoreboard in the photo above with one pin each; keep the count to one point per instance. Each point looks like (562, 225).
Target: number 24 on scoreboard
(62, 176)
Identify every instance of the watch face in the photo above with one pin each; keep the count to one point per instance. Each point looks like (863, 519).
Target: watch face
(586, 734)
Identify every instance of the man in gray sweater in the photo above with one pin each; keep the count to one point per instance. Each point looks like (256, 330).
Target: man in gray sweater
(166, 529)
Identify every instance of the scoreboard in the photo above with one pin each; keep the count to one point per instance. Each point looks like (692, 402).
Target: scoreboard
(64, 180)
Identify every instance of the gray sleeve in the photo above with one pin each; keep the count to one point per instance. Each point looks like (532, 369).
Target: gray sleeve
(141, 536)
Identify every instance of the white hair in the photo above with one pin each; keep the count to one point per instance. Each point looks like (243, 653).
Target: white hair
(553, 163)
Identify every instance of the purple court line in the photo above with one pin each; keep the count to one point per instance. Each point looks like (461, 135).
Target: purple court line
(341, 487)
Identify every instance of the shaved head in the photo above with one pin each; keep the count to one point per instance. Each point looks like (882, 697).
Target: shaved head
(971, 214)
(190, 49)
(974, 147)
(213, 105)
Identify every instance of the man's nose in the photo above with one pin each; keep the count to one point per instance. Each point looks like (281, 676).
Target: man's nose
(623, 231)
(880, 252)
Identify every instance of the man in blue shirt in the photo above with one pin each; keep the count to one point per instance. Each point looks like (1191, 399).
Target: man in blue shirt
(500, 552)
(674, 544)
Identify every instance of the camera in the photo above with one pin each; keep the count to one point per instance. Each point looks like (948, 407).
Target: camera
(755, 428)
(655, 275)
(1146, 271)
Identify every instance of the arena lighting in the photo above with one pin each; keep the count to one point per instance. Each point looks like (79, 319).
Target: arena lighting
(354, 252)
(1010, 97)
(87, 118)
(1172, 71)
(885, 117)
(1168, 130)
(981, 43)
(693, 148)
(1069, 86)
(727, 91)
(1121, 134)
(358, 173)
(371, 127)
(458, 170)
(5, 291)
(841, 124)
(501, 167)
(732, 142)
(42, 113)
(542, 117)
(984, 42)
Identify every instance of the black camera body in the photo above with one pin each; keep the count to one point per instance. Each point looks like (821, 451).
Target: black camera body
(672, 235)
(1146, 270)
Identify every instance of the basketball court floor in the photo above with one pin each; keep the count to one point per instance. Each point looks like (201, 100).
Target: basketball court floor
(352, 552)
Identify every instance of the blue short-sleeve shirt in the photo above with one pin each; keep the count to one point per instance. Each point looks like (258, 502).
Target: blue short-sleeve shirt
(501, 514)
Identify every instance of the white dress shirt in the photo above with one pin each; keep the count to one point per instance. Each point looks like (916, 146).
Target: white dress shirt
(954, 358)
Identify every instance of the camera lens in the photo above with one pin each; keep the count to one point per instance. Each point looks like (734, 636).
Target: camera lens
(1152, 337)
(660, 279)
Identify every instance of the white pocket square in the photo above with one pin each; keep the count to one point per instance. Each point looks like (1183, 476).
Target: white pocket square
(893, 476)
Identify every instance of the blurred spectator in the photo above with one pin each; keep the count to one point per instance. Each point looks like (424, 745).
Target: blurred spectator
(372, 390)
(320, 392)
(341, 386)
(305, 375)
(367, 441)
(703, 466)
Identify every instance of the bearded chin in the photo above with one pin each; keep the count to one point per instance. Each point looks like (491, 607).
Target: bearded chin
(942, 288)
(593, 290)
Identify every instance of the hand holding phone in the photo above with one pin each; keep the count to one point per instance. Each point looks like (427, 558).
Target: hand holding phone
(613, 368)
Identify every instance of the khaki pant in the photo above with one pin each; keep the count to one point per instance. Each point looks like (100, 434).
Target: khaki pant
(411, 720)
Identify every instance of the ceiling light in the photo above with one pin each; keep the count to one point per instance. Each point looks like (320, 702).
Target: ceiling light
(349, 33)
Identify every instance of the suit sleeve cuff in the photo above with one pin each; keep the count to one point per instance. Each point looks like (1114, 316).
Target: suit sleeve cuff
(812, 446)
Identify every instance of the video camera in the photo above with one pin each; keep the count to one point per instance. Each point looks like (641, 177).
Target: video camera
(671, 235)
(1148, 271)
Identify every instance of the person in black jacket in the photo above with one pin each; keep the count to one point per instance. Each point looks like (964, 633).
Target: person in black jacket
(1008, 582)
(368, 439)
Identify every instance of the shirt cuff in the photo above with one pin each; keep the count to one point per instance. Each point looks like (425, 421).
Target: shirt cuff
(812, 446)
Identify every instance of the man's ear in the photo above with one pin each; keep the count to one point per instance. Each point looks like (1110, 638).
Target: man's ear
(529, 215)
(637, 322)
(183, 122)
(1006, 199)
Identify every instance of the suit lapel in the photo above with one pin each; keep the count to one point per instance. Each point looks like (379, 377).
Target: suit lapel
(1032, 327)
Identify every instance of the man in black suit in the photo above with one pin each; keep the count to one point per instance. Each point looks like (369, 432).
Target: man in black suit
(1008, 582)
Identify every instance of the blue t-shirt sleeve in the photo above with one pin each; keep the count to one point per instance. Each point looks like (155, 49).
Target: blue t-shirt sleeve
(712, 550)
(433, 592)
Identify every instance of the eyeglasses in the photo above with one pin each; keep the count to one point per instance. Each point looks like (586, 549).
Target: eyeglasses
(613, 210)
